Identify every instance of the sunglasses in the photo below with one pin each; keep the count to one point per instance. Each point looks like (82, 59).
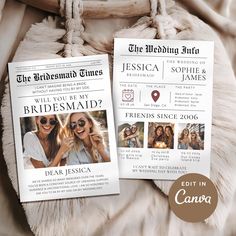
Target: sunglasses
(80, 123)
(44, 121)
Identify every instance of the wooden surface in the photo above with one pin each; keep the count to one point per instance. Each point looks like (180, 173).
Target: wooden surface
(99, 9)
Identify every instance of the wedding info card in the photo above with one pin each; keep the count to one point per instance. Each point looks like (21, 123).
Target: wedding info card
(64, 128)
(163, 107)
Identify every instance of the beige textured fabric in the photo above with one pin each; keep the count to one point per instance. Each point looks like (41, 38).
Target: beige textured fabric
(141, 209)
(2, 3)
(13, 26)
(9, 28)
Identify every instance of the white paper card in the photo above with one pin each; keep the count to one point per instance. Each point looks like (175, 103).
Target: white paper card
(64, 128)
(163, 107)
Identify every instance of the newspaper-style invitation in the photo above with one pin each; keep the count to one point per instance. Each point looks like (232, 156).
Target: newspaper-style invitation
(163, 107)
(63, 127)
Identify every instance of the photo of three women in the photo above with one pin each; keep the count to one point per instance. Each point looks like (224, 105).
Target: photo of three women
(79, 141)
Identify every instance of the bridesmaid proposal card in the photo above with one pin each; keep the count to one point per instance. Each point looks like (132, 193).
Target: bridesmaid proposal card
(163, 107)
(64, 128)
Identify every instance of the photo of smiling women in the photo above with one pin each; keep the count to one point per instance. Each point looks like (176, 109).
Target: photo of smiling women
(130, 135)
(89, 145)
(42, 146)
(161, 135)
(191, 136)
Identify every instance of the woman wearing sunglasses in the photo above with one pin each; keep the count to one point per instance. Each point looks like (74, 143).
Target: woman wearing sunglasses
(88, 142)
(42, 148)
(131, 137)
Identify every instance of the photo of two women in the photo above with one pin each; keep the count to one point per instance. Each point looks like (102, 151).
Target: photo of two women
(65, 139)
(191, 136)
(161, 135)
(131, 135)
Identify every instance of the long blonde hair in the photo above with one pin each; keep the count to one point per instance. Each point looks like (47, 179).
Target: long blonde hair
(197, 138)
(94, 129)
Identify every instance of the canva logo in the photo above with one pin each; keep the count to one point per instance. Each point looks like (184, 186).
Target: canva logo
(181, 198)
(193, 197)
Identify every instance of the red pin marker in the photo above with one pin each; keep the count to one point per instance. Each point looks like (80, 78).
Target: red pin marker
(155, 95)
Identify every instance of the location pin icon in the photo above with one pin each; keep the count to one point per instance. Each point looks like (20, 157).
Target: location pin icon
(155, 95)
